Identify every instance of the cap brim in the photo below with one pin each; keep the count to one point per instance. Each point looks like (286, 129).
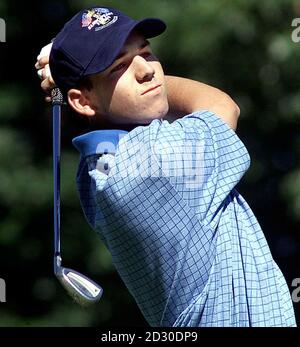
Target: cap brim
(149, 27)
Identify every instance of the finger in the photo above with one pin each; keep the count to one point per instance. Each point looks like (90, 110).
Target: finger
(51, 81)
(48, 99)
(47, 85)
(44, 60)
(38, 66)
(45, 72)
(40, 73)
(47, 81)
(41, 62)
(45, 51)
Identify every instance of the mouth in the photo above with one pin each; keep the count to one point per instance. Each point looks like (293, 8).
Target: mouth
(151, 89)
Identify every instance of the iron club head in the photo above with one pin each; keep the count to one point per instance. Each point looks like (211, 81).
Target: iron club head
(82, 289)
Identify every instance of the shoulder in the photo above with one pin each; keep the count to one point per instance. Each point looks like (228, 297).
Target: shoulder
(178, 129)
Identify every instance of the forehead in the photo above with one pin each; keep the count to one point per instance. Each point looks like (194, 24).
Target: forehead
(135, 39)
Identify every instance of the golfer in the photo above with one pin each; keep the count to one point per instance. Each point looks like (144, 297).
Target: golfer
(160, 194)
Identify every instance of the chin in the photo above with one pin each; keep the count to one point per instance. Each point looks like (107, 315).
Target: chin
(157, 114)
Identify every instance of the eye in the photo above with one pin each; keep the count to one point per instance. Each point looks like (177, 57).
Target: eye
(119, 67)
(147, 55)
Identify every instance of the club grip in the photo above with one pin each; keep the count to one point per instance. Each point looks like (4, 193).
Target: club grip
(56, 97)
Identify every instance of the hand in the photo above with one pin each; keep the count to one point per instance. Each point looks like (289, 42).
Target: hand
(43, 71)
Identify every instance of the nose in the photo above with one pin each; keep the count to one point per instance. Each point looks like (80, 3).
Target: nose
(144, 71)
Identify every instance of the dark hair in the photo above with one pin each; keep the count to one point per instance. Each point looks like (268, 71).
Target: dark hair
(85, 83)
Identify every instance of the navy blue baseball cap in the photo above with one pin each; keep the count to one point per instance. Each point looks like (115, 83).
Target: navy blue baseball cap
(90, 42)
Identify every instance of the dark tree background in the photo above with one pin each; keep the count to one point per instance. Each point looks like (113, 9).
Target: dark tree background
(242, 47)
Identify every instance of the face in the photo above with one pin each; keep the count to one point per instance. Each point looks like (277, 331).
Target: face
(133, 89)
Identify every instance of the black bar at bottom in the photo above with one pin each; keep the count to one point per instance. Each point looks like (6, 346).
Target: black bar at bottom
(138, 336)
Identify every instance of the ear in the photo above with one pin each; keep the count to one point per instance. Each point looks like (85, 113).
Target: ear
(80, 103)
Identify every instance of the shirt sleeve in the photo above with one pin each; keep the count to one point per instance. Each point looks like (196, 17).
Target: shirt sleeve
(203, 158)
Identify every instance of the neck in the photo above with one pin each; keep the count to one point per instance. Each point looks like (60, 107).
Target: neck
(99, 123)
(108, 125)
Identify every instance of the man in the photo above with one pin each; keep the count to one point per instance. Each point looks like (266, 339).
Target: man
(161, 196)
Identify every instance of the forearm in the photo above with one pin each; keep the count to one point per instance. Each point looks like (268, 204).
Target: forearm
(187, 96)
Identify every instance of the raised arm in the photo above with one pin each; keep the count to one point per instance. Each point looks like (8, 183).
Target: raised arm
(187, 96)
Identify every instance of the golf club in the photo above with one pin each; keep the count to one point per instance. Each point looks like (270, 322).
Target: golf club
(83, 290)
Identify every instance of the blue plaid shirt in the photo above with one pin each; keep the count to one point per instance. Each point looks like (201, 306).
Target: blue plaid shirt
(188, 247)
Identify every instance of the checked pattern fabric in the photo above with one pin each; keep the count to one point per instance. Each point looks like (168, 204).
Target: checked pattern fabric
(186, 244)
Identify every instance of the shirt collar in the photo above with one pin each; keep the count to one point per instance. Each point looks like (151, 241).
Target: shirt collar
(98, 142)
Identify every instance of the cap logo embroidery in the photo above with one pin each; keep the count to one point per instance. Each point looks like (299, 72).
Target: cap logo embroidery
(98, 18)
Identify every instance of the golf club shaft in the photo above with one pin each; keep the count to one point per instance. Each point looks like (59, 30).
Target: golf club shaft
(81, 288)
(56, 121)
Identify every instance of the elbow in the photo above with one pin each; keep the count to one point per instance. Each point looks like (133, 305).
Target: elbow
(235, 114)
(237, 111)
(226, 109)
(232, 110)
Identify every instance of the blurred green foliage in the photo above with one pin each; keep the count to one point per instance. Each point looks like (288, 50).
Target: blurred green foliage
(242, 47)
